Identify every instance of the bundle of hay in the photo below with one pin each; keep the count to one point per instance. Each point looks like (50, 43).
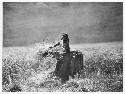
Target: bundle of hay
(68, 64)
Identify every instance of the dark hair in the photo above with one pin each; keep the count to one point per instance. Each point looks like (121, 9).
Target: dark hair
(65, 35)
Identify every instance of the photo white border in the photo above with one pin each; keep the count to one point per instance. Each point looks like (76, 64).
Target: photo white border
(1, 44)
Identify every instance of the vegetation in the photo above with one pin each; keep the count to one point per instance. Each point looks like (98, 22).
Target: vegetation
(25, 68)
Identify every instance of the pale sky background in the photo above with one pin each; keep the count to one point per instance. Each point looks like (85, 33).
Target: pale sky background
(27, 23)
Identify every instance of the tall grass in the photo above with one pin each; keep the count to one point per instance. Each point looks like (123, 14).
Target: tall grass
(25, 67)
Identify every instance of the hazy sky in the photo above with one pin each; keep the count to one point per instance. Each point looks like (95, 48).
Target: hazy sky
(27, 23)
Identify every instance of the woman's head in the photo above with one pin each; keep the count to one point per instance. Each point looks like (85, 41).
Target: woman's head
(64, 36)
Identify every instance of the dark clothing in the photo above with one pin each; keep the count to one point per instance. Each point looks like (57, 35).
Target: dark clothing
(66, 43)
(63, 64)
(65, 68)
(57, 44)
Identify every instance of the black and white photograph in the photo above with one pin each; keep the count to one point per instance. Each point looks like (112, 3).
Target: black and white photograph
(62, 47)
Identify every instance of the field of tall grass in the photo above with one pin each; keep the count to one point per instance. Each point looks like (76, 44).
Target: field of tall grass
(25, 68)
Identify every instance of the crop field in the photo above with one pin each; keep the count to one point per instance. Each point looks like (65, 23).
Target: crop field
(102, 69)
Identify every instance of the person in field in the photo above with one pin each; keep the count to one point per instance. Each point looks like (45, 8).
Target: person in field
(63, 65)
(69, 63)
(64, 43)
